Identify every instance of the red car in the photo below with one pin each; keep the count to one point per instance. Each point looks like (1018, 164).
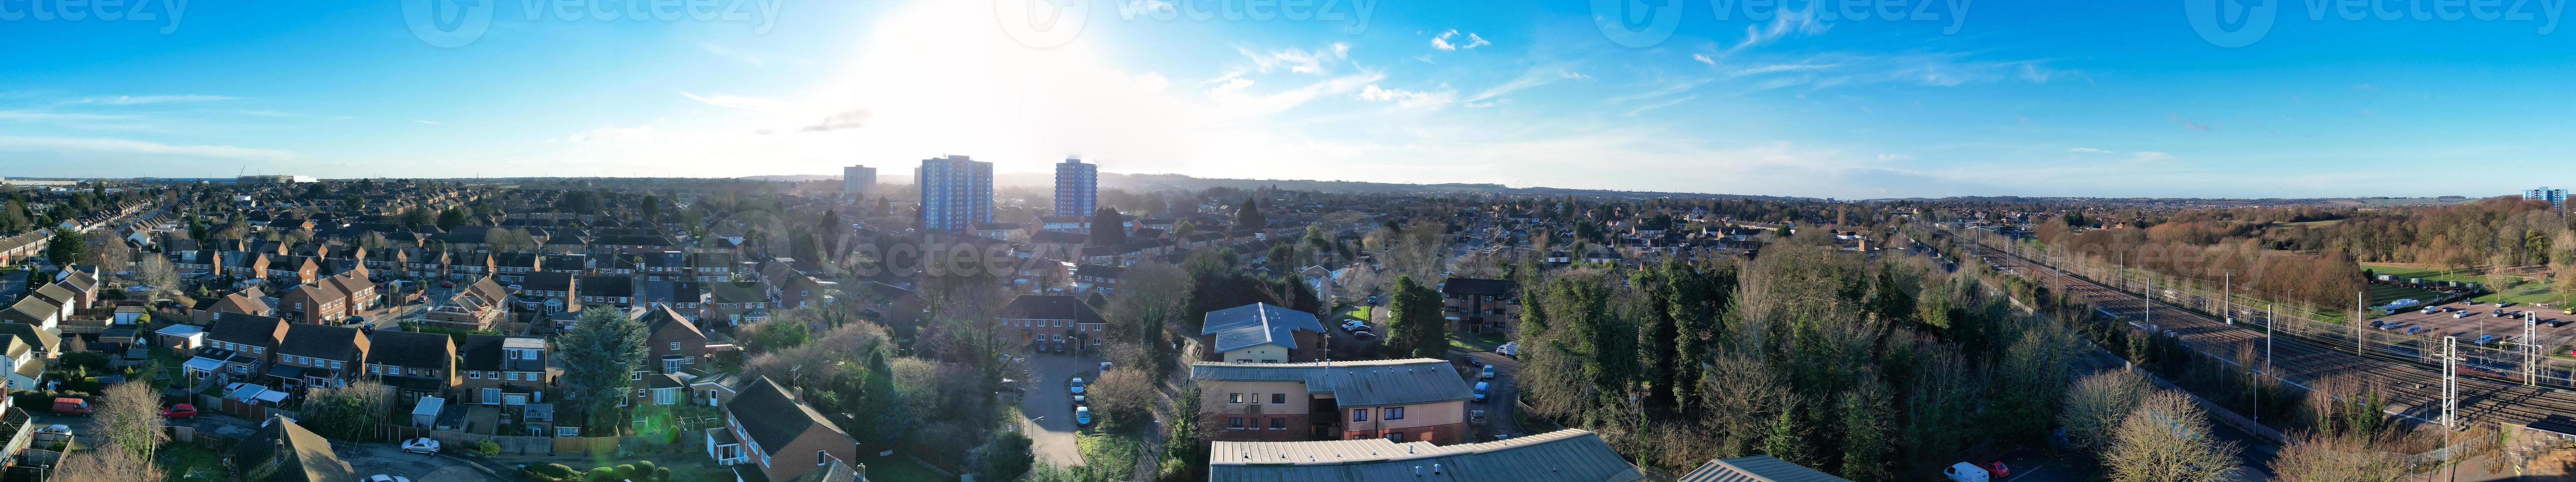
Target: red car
(446, 284)
(180, 411)
(1998, 468)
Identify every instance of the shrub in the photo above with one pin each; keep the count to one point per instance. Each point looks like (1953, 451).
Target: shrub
(488, 448)
(628, 471)
(661, 474)
(559, 471)
(602, 474)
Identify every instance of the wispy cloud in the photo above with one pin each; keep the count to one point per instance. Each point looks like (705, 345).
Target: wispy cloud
(1409, 99)
(737, 55)
(1667, 103)
(2177, 119)
(30, 115)
(737, 102)
(1787, 23)
(147, 99)
(129, 146)
(1704, 58)
(1318, 62)
(1442, 42)
(1536, 76)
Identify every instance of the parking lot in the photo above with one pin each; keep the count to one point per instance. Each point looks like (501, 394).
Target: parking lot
(2479, 321)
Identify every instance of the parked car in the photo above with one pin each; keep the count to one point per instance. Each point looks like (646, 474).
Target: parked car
(1998, 469)
(1476, 416)
(2484, 339)
(2414, 330)
(71, 406)
(1082, 416)
(1355, 326)
(1510, 350)
(1081, 400)
(1059, 348)
(423, 446)
(180, 411)
(1966, 472)
(1077, 385)
(1489, 373)
(2462, 314)
(386, 478)
(446, 284)
(56, 429)
(1364, 335)
(2504, 304)
(1482, 388)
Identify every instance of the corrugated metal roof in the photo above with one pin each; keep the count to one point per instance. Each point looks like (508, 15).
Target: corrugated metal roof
(1758, 468)
(1255, 325)
(1354, 383)
(1565, 455)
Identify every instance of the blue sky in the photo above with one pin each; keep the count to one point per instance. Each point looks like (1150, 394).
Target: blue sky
(2012, 98)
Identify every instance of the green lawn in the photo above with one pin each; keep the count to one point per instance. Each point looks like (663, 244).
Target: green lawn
(1358, 313)
(188, 463)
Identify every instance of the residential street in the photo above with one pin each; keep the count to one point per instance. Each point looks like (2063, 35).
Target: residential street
(1501, 416)
(1047, 403)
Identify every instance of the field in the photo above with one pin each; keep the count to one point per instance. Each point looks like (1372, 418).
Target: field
(2531, 289)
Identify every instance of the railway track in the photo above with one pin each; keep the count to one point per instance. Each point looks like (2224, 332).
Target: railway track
(2417, 388)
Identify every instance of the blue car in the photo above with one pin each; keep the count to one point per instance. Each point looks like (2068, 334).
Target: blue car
(1082, 416)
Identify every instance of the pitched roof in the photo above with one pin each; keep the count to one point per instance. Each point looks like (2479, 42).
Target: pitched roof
(253, 330)
(1758, 468)
(302, 455)
(835, 471)
(1051, 307)
(1257, 324)
(410, 349)
(773, 418)
(1354, 383)
(1564, 455)
(611, 286)
(30, 335)
(324, 342)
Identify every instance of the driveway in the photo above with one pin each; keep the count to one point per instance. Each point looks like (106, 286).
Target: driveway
(1501, 416)
(371, 459)
(1047, 403)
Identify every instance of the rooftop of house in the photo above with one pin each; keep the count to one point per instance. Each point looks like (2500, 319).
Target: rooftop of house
(1255, 325)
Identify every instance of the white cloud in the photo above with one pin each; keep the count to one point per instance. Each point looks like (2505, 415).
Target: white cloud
(609, 134)
(29, 115)
(1409, 99)
(149, 99)
(1318, 62)
(1153, 81)
(129, 146)
(1703, 58)
(1442, 41)
(737, 55)
(2089, 150)
(1895, 157)
(1666, 103)
(1788, 22)
(738, 102)
(1536, 76)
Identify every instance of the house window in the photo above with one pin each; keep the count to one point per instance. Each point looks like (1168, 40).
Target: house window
(1278, 399)
(474, 375)
(1236, 398)
(1395, 437)
(514, 376)
(1234, 423)
(1359, 415)
(675, 346)
(1394, 413)
(1277, 423)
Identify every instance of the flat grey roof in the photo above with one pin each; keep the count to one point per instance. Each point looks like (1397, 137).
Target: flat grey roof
(1354, 383)
(1564, 455)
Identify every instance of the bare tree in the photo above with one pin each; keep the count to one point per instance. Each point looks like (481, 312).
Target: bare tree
(156, 272)
(2321, 458)
(108, 463)
(2097, 404)
(130, 417)
(1124, 393)
(2167, 439)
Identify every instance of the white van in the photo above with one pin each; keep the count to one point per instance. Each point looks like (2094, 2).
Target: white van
(1965, 472)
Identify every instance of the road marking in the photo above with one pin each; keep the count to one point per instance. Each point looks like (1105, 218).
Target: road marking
(2025, 473)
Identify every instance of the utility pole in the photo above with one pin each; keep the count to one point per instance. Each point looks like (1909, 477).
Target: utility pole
(2227, 296)
(2451, 383)
(2530, 348)
(2360, 312)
